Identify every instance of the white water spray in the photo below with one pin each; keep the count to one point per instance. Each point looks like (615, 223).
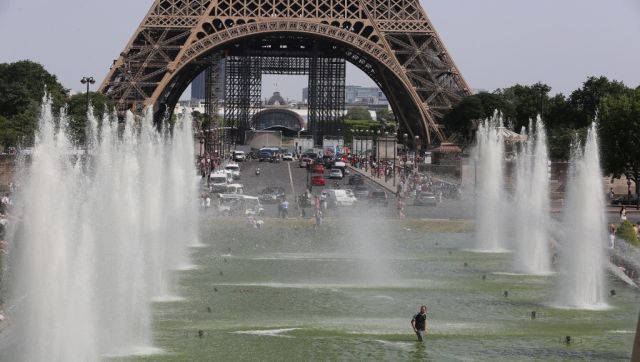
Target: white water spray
(582, 259)
(531, 201)
(98, 236)
(490, 190)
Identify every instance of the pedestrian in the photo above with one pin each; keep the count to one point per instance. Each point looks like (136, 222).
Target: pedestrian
(323, 201)
(611, 194)
(285, 208)
(623, 213)
(612, 236)
(419, 323)
(318, 219)
(400, 207)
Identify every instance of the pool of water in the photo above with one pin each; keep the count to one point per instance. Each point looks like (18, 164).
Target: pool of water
(348, 291)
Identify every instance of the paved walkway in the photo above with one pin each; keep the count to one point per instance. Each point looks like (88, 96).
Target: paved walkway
(380, 181)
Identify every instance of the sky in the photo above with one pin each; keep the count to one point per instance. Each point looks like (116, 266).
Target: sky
(495, 43)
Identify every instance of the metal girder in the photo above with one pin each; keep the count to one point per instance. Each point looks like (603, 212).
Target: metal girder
(393, 39)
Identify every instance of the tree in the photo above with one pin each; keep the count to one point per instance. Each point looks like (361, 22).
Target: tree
(465, 116)
(22, 86)
(527, 102)
(77, 111)
(586, 100)
(620, 135)
(358, 114)
(23, 83)
(385, 116)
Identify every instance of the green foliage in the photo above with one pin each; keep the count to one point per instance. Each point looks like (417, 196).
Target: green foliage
(465, 116)
(620, 134)
(23, 83)
(77, 111)
(361, 125)
(565, 118)
(22, 86)
(526, 101)
(560, 140)
(625, 231)
(358, 113)
(586, 100)
(385, 116)
(198, 119)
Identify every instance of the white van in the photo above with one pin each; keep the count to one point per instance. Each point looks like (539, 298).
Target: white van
(235, 189)
(234, 168)
(340, 197)
(238, 156)
(342, 166)
(218, 181)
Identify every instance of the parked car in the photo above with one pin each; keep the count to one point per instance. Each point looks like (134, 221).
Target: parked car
(271, 195)
(425, 199)
(378, 197)
(625, 200)
(335, 173)
(288, 156)
(318, 180)
(304, 162)
(361, 191)
(356, 180)
(318, 168)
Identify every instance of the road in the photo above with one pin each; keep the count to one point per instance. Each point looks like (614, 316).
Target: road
(294, 180)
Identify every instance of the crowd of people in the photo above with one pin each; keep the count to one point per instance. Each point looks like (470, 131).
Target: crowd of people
(411, 181)
(207, 165)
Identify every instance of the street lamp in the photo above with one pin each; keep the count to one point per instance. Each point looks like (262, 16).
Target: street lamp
(386, 147)
(415, 155)
(395, 148)
(405, 138)
(378, 146)
(88, 81)
(356, 133)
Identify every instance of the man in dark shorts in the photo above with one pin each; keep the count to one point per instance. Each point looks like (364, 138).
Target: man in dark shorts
(419, 323)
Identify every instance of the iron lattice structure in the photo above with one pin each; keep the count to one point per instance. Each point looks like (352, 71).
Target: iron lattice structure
(285, 54)
(392, 41)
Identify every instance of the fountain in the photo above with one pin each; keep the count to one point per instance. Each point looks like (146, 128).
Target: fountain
(99, 235)
(490, 189)
(582, 258)
(531, 201)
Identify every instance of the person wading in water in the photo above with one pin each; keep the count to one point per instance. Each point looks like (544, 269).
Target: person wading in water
(419, 323)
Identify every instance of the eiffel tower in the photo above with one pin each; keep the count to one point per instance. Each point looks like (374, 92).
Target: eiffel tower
(392, 41)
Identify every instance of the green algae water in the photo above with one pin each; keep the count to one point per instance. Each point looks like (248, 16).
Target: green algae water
(347, 292)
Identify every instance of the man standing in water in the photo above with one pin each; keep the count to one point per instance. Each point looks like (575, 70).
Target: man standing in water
(419, 323)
